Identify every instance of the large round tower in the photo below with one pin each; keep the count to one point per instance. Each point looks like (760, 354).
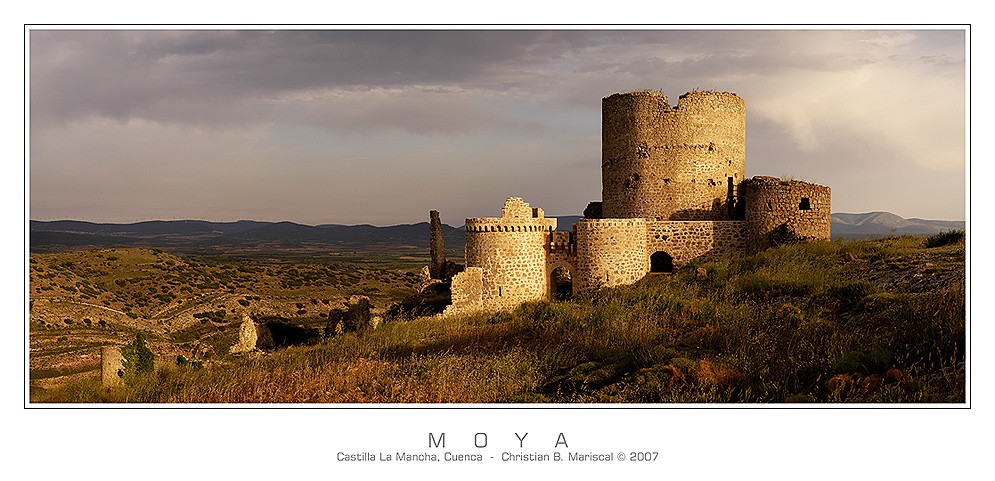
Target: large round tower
(672, 163)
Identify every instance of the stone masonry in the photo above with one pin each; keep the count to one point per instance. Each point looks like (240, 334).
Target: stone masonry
(671, 163)
(437, 247)
(111, 366)
(674, 191)
(511, 252)
(782, 211)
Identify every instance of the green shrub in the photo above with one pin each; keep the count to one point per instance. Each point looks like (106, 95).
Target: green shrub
(946, 237)
(138, 358)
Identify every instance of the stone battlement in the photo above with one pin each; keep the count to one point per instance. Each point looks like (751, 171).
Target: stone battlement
(674, 190)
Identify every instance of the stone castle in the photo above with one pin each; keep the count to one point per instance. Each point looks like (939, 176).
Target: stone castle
(674, 190)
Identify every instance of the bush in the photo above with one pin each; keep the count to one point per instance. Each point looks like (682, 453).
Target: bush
(138, 358)
(944, 238)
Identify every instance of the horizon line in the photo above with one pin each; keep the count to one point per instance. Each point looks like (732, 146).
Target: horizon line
(396, 224)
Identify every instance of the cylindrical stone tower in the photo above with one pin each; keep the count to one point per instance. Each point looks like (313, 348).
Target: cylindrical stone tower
(783, 211)
(511, 251)
(672, 163)
(610, 252)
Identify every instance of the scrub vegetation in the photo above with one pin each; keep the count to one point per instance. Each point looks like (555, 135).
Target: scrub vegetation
(879, 321)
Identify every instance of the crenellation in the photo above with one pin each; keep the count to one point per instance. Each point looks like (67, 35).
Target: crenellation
(674, 191)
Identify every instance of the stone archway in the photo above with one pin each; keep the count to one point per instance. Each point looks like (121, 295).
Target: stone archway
(560, 284)
(661, 261)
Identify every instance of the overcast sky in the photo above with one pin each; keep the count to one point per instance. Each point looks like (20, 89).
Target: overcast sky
(379, 127)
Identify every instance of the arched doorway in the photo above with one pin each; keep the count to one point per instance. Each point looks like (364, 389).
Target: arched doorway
(560, 284)
(661, 262)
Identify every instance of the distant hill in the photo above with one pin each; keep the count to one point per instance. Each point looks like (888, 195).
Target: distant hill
(883, 224)
(192, 235)
(188, 235)
(565, 223)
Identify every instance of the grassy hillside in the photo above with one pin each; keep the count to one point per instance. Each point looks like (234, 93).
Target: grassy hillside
(82, 300)
(868, 321)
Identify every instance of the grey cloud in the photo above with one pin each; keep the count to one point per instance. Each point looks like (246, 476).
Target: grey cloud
(486, 107)
(120, 74)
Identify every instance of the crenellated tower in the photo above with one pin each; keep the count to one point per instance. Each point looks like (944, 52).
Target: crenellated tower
(673, 192)
(511, 251)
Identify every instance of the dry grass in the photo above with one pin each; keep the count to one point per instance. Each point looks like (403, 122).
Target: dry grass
(826, 322)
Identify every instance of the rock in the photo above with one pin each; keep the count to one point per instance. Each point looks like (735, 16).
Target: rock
(354, 316)
(247, 336)
(450, 269)
(358, 313)
(271, 333)
(702, 273)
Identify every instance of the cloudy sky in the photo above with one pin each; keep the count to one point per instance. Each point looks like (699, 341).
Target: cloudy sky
(380, 127)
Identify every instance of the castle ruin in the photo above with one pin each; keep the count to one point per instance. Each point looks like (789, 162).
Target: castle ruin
(674, 190)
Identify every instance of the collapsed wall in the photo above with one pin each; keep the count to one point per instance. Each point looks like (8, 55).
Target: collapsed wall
(467, 292)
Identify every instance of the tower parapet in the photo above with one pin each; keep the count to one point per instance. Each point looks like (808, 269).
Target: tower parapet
(672, 163)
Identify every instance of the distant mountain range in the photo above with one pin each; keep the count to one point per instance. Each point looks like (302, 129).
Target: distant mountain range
(185, 235)
(882, 224)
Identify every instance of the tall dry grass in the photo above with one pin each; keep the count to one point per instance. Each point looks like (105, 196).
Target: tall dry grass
(803, 323)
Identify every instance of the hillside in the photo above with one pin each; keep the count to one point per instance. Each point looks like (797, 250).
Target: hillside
(883, 224)
(242, 240)
(288, 241)
(860, 321)
(80, 300)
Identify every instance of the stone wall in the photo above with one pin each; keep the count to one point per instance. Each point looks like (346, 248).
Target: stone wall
(111, 366)
(561, 251)
(437, 247)
(610, 252)
(671, 163)
(673, 191)
(704, 241)
(467, 292)
(781, 211)
(511, 251)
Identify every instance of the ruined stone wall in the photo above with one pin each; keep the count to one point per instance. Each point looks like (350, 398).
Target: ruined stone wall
(671, 163)
(704, 241)
(511, 251)
(437, 247)
(467, 292)
(610, 252)
(111, 366)
(779, 212)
